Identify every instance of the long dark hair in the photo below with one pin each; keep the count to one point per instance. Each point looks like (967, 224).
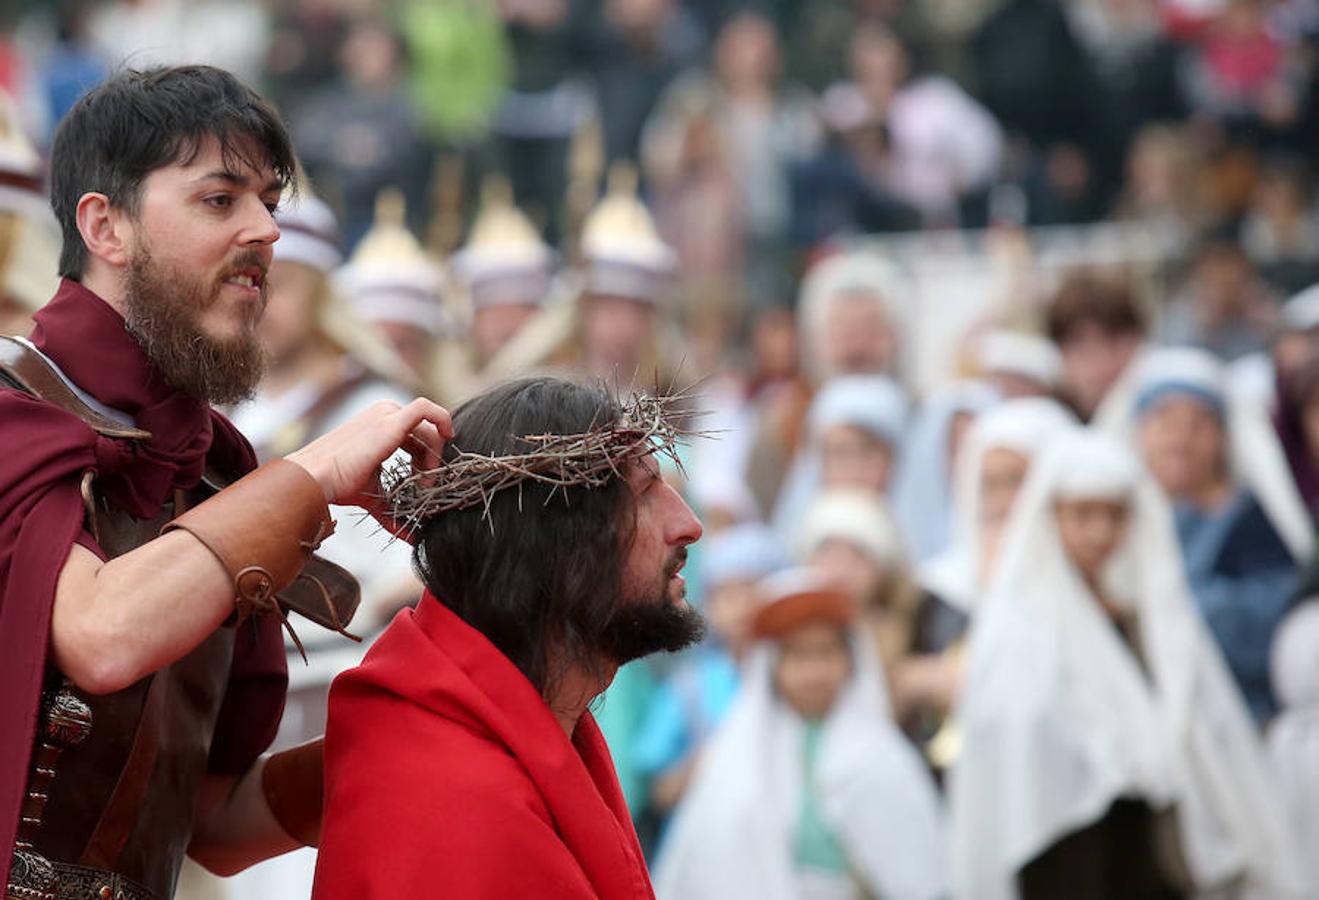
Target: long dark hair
(537, 571)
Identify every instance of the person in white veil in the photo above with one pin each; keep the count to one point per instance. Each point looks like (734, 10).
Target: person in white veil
(1293, 739)
(854, 431)
(808, 791)
(1232, 500)
(1107, 752)
(922, 494)
(991, 465)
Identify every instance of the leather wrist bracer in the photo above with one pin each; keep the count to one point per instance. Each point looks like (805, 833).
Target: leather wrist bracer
(263, 528)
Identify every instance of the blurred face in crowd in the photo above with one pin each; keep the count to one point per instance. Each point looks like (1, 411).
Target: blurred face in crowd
(1093, 359)
(494, 325)
(1002, 472)
(412, 343)
(290, 319)
(1183, 443)
(851, 457)
(616, 331)
(846, 567)
(729, 609)
(1091, 529)
(370, 55)
(1290, 351)
(858, 336)
(1221, 281)
(878, 63)
(747, 53)
(814, 664)
(774, 345)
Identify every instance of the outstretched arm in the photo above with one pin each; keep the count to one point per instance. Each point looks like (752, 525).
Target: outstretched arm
(118, 621)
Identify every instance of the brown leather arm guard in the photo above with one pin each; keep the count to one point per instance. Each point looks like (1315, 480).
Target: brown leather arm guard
(263, 529)
(293, 784)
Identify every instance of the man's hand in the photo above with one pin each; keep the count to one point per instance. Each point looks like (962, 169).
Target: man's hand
(346, 462)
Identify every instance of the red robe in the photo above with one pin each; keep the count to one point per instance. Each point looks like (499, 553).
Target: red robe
(447, 775)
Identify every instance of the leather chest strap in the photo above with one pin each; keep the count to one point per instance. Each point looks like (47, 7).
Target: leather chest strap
(30, 372)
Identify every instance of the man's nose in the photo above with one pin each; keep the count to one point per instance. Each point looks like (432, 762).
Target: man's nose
(684, 527)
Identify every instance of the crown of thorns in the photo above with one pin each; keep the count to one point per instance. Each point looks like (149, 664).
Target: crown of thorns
(645, 425)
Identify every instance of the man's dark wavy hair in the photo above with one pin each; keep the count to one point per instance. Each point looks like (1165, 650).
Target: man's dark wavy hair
(537, 571)
(139, 121)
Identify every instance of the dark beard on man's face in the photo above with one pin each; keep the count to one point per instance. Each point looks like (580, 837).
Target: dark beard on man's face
(651, 623)
(162, 310)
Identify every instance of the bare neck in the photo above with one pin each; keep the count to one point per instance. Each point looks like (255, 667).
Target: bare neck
(574, 692)
(105, 282)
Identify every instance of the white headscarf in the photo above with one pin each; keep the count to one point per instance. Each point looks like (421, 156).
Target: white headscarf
(1025, 426)
(1294, 734)
(873, 403)
(856, 518)
(852, 273)
(1255, 456)
(922, 494)
(1061, 721)
(731, 837)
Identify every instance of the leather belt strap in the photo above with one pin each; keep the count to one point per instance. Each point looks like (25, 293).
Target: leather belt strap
(120, 813)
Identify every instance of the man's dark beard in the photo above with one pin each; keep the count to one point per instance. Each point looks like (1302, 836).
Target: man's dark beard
(162, 310)
(652, 623)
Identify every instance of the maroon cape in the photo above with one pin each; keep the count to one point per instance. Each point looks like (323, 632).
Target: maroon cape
(43, 453)
(447, 775)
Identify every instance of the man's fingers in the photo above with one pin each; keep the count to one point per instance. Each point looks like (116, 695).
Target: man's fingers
(425, 445)
(423, 410)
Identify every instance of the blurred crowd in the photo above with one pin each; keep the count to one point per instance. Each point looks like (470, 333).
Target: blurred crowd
(1002, 318)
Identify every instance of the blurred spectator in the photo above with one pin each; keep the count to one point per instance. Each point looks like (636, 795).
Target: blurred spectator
(504, 275)
(1294, 734)
(460, 66)
(1098, 328)
(855, 546)
(305, 41)
(991, 465)
(808, 789)
(719, 151)
(944, 147)
(922, 497)
(1281, 231)
(853, 440)
(840, 192)
(230, 34)
(72, 66)
(547, 102)
(29, 236)
(1018, 363)
(694, 699)
(360, 134)
(1096, 709)
(1241, 573)
(1223, 306)
(1163, 185)
(1050, 119)
(1242, 75)
(636, 48)
(392, 285)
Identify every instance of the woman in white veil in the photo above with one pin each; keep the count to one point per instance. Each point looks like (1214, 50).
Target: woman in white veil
(1011, 432)
(1100, 721)
(738, 833)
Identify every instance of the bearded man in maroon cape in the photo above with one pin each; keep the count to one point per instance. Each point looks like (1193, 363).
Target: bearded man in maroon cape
(145, 562)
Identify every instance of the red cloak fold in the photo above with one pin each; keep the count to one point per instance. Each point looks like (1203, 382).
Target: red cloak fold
(448, 776)
(43, 453)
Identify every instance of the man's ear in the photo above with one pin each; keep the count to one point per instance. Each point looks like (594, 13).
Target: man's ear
(105, 229)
